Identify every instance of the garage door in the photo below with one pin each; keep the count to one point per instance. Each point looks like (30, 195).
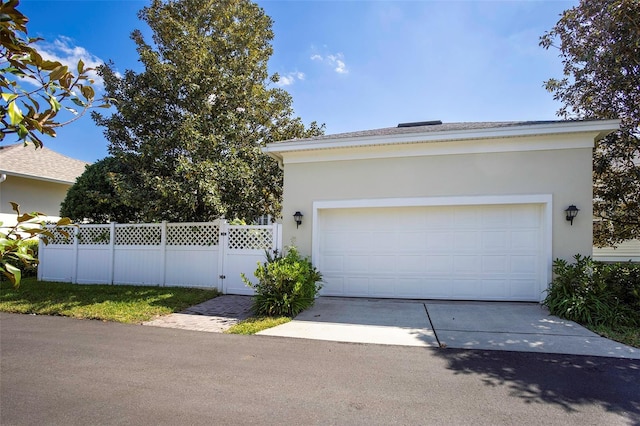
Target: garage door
(486, 252)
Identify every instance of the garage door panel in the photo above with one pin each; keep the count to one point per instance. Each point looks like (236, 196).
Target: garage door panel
(383, 264)
(522, 216)
(334, 241)
(357, 264)
(408, 264)
(495, 219)
(495, 289)
(495, 240)
(524, 289)
(381, 287)
(525, 240)
(333, 285)
(495, 264)
(360, 241)
(466, 264)
(446, 252)
(438, 263)
(437, 288)
(333, 264)
(412, 242)
(466, 288)
(358, 286)
(524, 264)
(438, 241)
(408, 288)
(466, 219)
(438, 218)
(468, 240)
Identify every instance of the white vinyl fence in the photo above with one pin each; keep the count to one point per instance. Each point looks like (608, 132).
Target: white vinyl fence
(211, 254)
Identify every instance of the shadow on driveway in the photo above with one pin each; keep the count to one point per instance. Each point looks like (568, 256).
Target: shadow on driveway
(566, 381)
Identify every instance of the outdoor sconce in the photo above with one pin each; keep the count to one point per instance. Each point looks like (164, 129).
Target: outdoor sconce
(572, 212)
(298, 217)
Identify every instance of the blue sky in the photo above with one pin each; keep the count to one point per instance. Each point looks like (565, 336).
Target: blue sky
(353, 65)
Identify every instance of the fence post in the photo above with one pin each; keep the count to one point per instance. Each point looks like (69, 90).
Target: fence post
(76, 243)
(112, 251)
(41, 249)
(222, 253)
(277, 231)
(163, 252)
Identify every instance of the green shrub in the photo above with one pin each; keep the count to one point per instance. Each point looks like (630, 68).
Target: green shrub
(29, 268)
(286, 286)
(594, 293)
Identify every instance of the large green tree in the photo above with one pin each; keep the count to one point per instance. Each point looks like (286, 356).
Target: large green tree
(189, 128)
(94, 197)
(599, 43)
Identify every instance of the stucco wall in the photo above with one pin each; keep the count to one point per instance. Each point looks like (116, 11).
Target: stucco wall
(565, 173)
(32, 195)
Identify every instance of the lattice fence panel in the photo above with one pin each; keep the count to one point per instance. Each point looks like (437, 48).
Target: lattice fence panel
(250, 239)
(138, 235)
(193, 234)
(60, 238)
(94, 235)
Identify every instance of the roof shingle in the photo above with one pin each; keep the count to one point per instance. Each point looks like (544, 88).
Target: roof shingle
(42, 163)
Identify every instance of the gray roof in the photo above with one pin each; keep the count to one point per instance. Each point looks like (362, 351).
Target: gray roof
(444, 127)
(42, 163)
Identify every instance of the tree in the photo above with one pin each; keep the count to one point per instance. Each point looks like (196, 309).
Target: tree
(93, 196)
(189, 128)
(599, 43)
(23, 115)
(34, 90)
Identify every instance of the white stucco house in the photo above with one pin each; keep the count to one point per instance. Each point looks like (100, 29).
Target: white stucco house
(468, 211)
(37, 179)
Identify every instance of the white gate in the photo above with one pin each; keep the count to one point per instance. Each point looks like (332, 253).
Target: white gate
(210, 255)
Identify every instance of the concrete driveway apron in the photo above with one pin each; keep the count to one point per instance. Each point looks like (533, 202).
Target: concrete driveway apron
(524, 327)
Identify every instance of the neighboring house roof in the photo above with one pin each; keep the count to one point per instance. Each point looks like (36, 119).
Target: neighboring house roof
(441, 132)
(42, 164)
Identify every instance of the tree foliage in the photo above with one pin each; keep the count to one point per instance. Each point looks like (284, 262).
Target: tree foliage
(15, 248)
(189, 128)
(599, 43)
(34, 90)
(93, 196)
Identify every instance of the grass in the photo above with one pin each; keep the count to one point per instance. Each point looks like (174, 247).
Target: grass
(628, 335)
(120, 303)
(256, 324)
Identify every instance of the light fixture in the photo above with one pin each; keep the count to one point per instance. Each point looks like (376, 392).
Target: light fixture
(298, 217)
(572, 212)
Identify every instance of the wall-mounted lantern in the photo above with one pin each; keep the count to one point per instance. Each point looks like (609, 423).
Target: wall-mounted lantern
(572, 212)
(298, 218)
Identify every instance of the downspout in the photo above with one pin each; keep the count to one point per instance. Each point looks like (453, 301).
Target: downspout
(3, 177)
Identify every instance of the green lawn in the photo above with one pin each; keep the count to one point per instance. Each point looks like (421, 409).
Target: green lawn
(120, 303)
(255, 324)
(627, 335)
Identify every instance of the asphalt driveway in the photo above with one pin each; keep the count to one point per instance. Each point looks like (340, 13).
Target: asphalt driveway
(522, 327)
(64, 371)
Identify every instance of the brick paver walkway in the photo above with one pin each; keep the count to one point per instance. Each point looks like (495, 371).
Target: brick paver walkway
(215, 315)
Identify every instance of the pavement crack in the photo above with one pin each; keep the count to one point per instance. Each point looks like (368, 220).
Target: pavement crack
(440, 344)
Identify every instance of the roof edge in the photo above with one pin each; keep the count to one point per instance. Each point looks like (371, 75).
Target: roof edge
(600, 127)
(41, 178)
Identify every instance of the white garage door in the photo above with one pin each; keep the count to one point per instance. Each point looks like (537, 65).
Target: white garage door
(487, 252)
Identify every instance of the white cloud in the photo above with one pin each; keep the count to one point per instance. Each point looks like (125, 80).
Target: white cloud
(336, 61)
(290, 78)
(64, 50)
